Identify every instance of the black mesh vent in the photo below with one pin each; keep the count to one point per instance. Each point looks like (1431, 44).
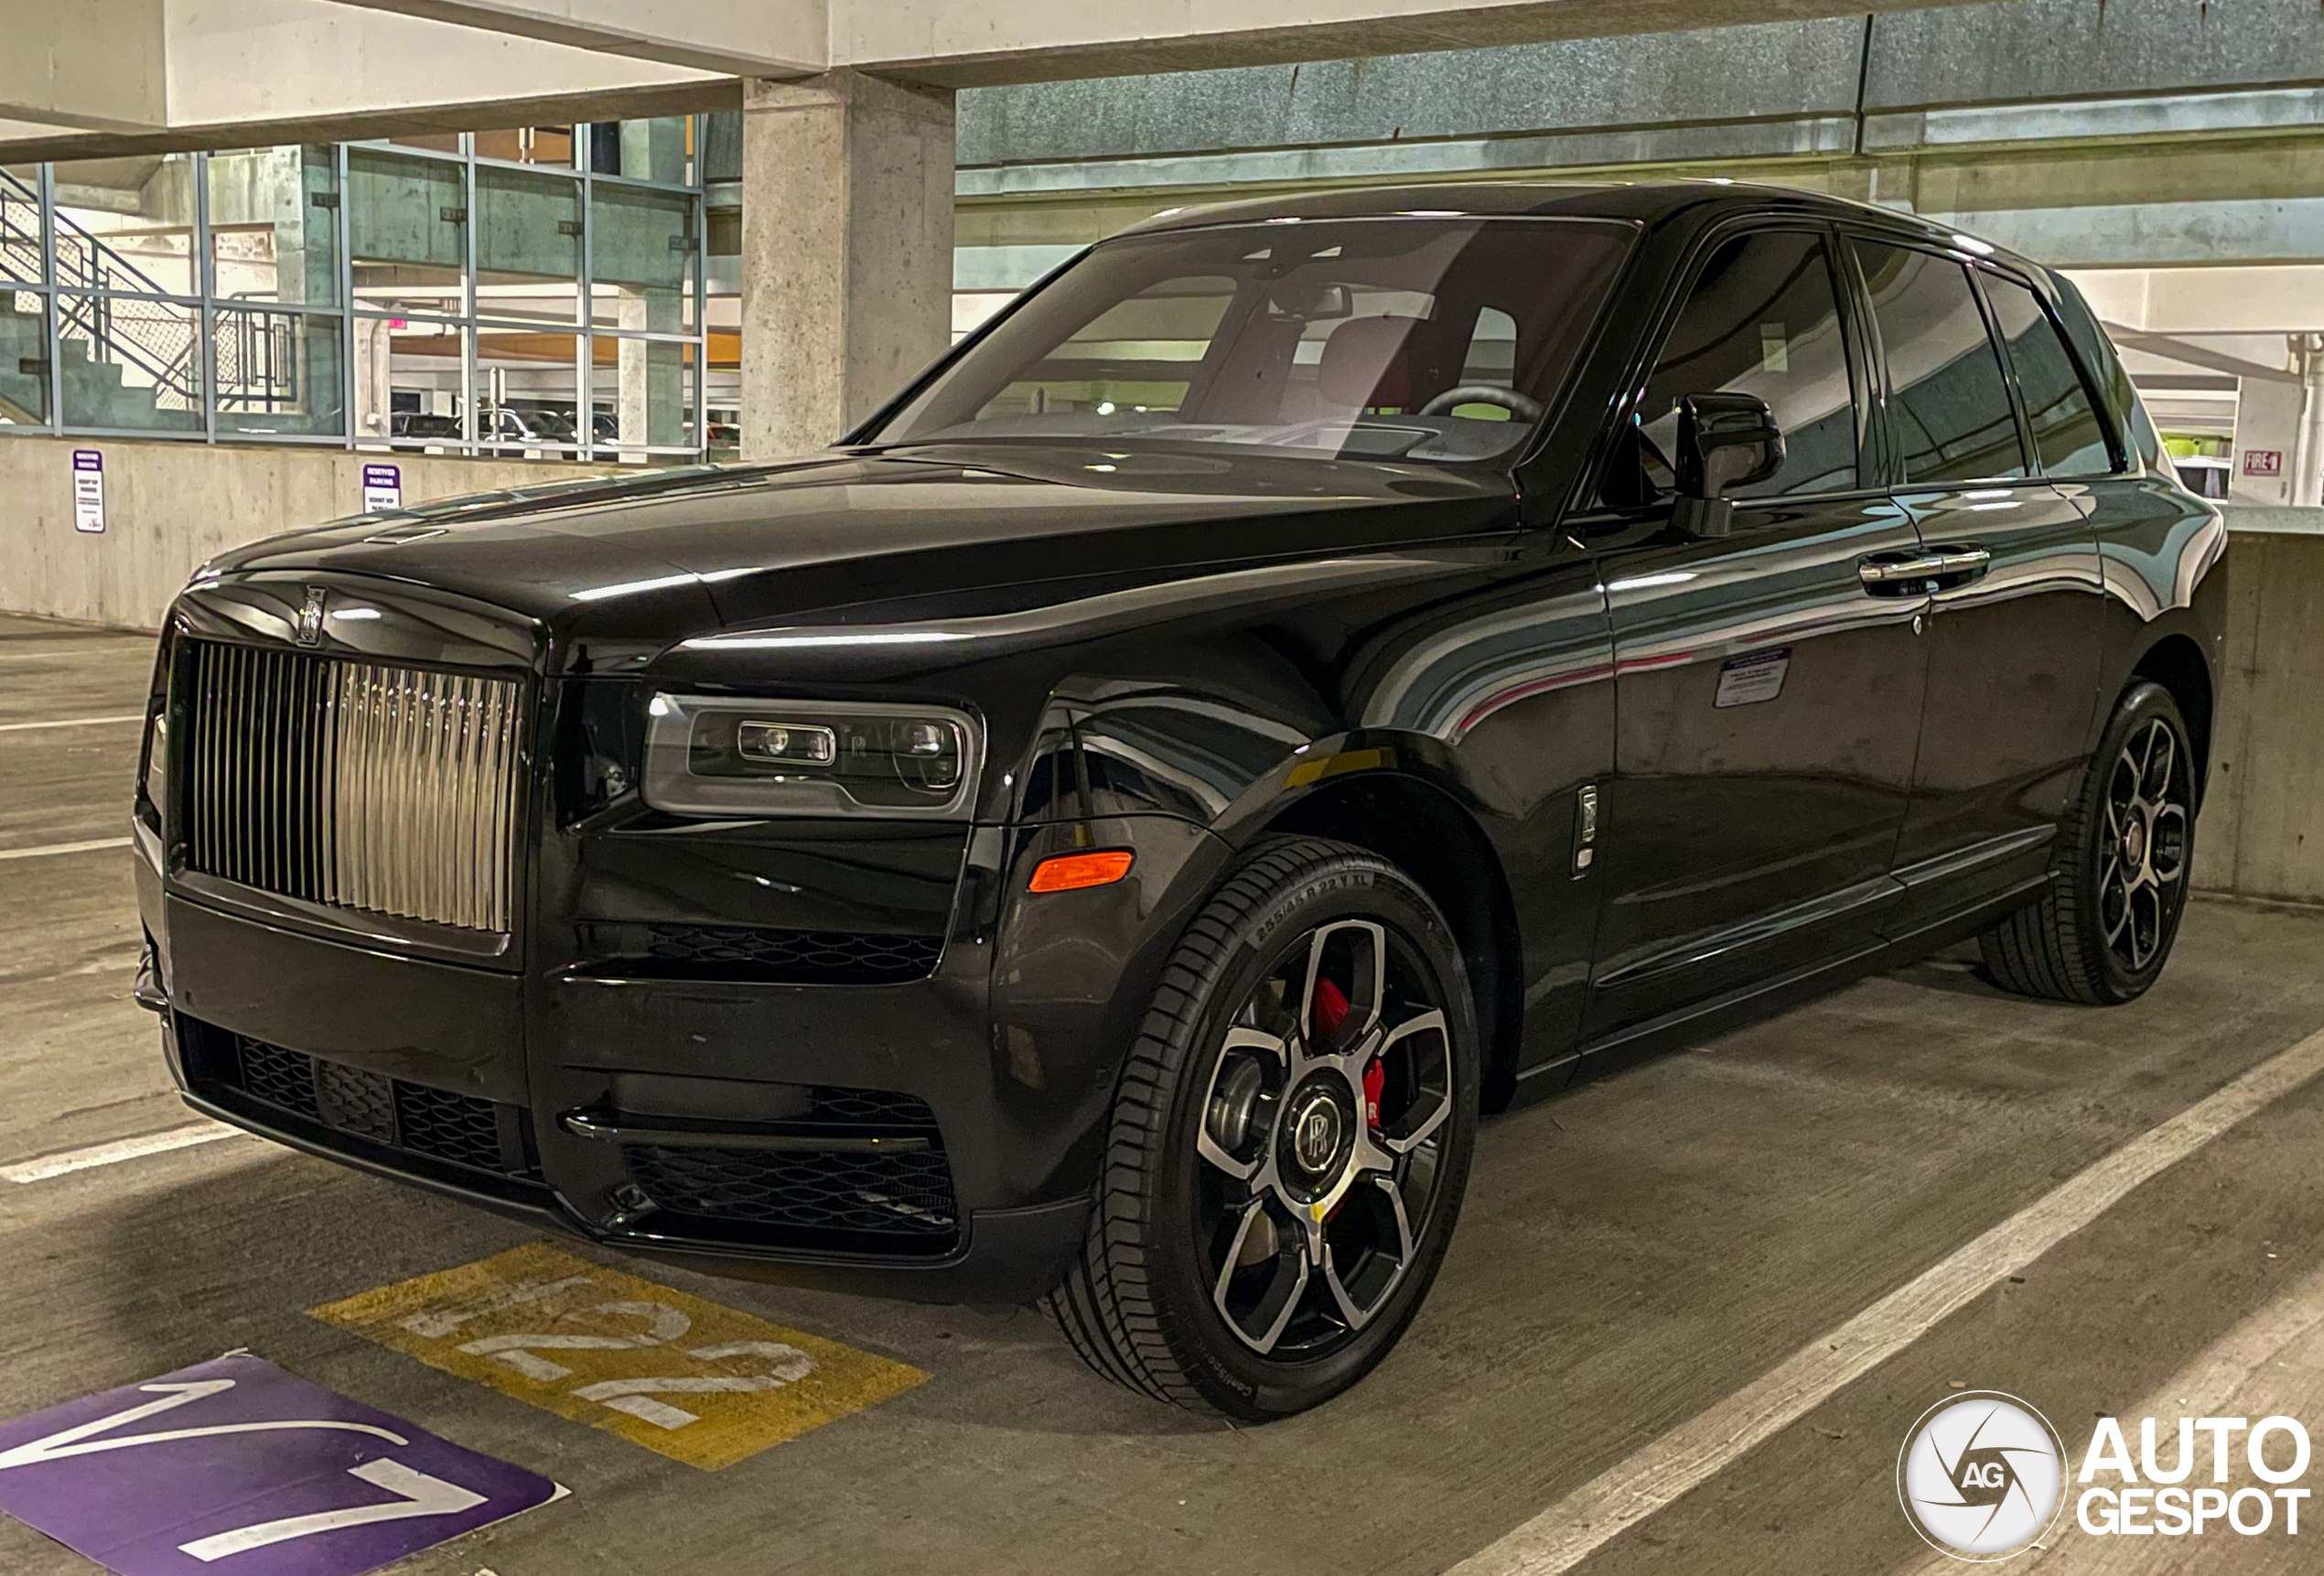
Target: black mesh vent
(776, 956)
(868, 1108)
(358, 1102)
(457, 1128)
(883, 1196)
(278, 1076)
(462, 1128)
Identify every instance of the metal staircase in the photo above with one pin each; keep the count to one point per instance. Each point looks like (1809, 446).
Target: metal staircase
(119, 363)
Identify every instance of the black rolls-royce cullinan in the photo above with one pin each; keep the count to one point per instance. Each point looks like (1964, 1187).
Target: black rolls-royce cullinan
(1309, 672)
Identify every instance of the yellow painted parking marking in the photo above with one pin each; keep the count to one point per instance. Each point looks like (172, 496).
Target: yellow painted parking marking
(701, 1383)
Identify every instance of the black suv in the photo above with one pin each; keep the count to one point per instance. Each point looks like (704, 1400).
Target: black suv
(1309, 672)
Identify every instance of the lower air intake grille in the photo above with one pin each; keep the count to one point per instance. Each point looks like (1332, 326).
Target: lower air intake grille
(774, 957)
(886, 1195)
(438, 1124)
(280, 1077)
(451, 1126)
(880, 1202)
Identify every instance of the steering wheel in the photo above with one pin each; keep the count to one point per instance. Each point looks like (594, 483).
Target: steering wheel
(1519, 405)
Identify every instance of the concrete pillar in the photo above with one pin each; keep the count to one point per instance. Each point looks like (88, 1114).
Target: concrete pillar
(374, 383)
(2308, 476)
(2267, 424)
(847, 252)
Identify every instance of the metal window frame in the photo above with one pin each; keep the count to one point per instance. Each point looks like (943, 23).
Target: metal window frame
(205, 304)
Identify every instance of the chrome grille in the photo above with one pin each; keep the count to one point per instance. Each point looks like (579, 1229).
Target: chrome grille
(360, 785)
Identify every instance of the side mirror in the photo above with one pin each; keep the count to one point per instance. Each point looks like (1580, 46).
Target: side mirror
(1725, 441)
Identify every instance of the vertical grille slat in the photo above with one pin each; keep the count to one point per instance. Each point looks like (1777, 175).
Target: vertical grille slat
(360, 785)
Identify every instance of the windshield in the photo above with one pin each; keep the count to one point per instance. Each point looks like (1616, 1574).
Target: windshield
(1436, 339)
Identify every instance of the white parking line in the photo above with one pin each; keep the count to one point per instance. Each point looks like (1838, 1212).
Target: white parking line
(45, 850)
(113, 1154)
(72, 722)
(1690, 1454)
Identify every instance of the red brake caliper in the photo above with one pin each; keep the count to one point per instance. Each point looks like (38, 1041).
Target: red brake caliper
(1331, 1009)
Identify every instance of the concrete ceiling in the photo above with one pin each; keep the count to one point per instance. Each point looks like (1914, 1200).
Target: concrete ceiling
(115, 76)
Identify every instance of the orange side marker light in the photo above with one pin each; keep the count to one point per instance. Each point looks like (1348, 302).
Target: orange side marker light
(1071, 871)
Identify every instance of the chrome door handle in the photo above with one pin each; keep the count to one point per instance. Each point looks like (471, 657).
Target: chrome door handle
(1963, 563)
(1899, 573)
(1937, 568)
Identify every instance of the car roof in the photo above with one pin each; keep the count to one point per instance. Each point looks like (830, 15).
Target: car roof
(1647, 203)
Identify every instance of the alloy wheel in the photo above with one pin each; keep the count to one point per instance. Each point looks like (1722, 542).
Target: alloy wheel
(2144, 851)
(1321, 1140)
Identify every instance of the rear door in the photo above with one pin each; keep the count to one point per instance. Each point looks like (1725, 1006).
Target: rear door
(1767, 696)
(2013, 632)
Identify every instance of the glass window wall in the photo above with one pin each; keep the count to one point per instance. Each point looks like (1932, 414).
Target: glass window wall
(531, 292)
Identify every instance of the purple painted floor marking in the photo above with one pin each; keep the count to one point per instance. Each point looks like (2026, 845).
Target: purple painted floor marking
(243, 1470)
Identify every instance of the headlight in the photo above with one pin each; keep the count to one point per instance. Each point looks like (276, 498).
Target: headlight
(724, 756)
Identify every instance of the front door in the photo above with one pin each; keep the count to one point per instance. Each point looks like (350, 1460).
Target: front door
(1767, 684)
(2013, 637)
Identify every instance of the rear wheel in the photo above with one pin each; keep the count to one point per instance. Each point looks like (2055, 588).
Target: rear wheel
(2104, 931)
(1289, 1142)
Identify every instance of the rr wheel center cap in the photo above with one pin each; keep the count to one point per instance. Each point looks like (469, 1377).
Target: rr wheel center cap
(2135, 843)
(1318, 1130)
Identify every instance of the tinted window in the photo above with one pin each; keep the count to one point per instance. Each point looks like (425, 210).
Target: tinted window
(2066, 432)
(1761, 318)
(1948, 406)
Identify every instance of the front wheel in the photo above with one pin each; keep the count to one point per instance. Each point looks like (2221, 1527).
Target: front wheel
(2104, 931)
(1288, 1145)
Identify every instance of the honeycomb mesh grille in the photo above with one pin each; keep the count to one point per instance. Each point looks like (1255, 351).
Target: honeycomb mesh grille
(280, 1077)
(776, 956)
(357, 1101)
(451, 1126)
(887, 1196)
(462, 1128)
(879, 1201)
(868, 1108)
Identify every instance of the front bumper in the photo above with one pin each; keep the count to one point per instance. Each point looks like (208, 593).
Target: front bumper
(521, 1091)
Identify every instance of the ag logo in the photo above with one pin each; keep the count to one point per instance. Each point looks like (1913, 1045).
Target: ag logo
(1982, 1475)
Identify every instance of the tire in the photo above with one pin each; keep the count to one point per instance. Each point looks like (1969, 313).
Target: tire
(2101, 933)
(1201, 1281)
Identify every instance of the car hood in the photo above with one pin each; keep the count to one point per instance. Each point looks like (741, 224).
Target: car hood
(641, 564)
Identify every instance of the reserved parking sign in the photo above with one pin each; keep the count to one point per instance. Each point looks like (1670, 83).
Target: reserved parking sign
(383, 488)
(88, 490)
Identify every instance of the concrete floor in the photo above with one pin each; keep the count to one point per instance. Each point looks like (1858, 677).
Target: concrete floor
(1629, 1255)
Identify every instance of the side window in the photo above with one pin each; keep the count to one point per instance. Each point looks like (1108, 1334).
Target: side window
(1948, 406)
(1761, 318)
(2066, 432)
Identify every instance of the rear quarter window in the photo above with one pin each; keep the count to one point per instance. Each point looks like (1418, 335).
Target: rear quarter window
(2069, 439)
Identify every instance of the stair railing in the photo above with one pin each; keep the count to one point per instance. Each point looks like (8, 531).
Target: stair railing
(157, 340)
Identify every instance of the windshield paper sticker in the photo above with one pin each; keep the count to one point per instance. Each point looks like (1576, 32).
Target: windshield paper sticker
(1753, 677)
